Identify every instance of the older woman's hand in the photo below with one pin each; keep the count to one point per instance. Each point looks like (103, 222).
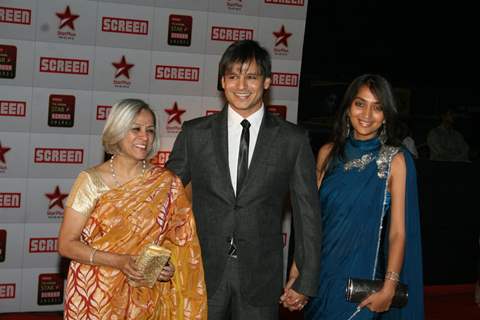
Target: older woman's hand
(167, 272)
(127, 265)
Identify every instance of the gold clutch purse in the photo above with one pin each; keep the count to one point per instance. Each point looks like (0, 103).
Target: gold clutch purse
(150, 261)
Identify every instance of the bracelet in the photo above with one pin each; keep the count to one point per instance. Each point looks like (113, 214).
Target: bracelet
(92, 255)
(391, 275)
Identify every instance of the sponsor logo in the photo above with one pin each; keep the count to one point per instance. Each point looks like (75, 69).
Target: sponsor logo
(50, 289)
(278, 110)
(103, 112)
(15, 15)
(10, 199)
(179, 30)
(281, 41)
(58, 155)
(174, 121)
(9, 108)
(7, 290)
(63, 65)
(234, 5)
(55, 200)
(210, 112)
(299, 3)
(3, 244)
(179, 73)
(124, 25)
(43, 245)
(8, 61)
(3, 161)
(122, 69)
(66, 21)
(282, 79)
(230, 34)
(161, 158)
(61, 110)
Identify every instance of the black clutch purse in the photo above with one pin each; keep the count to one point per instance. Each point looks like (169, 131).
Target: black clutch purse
(359, 289)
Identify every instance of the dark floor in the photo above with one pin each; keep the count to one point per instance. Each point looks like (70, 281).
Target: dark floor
(441, 303)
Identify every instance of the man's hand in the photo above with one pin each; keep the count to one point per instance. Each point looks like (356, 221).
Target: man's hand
(291, 299)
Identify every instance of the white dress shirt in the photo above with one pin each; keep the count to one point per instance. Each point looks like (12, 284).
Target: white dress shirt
(234, 134)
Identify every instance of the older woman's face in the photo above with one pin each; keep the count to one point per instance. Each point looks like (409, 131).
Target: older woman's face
(366, 114)
(138, 141)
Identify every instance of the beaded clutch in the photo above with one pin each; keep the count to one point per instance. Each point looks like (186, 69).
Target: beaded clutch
(151, 260)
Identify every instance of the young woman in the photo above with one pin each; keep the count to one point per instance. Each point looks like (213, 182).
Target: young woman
(368, 199)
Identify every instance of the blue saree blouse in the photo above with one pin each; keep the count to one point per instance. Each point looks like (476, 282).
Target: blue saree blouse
(355, 205)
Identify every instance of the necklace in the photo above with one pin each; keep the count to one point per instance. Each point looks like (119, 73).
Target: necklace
(114, 176)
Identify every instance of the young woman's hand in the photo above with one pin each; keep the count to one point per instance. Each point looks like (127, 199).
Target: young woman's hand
(379, 301)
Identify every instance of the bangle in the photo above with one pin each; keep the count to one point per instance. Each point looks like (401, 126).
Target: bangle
(92, 255)
(391, 275)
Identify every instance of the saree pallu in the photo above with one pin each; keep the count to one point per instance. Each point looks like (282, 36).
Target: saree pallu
(149, 209)
(355, 204)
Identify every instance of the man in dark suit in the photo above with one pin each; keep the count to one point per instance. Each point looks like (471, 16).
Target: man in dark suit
(241, 173)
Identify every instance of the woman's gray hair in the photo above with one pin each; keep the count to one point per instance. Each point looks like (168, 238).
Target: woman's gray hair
(120, 120)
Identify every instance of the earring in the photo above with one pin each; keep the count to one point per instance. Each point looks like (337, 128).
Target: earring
(383, 133)
(347, 129)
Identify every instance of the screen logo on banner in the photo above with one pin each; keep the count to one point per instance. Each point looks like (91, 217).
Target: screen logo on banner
(15, 15)
(61, 110)
(283, 79)
(177, 73)
(103, 112)
(124, 25)
(281, 41)
(10, 199)
(7, 290)
(174, 121)
(50, 289)
(3, 161)
(278, 110)
(8, 61)
(161, 158)
(3, 244)
(220, 33)
(55, 203)
(58, 155)
(66, 21)
(179, 30)
(64, 65)
(122, 70)
(10, 108)
(299, 3)
(43, 245)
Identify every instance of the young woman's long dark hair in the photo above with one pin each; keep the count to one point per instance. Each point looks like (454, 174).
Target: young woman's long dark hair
(382, 90)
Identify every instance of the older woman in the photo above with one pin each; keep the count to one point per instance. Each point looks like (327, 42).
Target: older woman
(113, 211)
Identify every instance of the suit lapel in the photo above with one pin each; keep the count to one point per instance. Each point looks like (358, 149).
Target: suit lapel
(220, 139)
(266, 136)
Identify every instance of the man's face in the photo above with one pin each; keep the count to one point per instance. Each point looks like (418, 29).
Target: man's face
(244, 85)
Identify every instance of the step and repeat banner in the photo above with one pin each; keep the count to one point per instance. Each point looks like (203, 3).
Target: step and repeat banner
(63, 64)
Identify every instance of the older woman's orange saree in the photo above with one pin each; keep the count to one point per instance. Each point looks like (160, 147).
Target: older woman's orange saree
(148, 209)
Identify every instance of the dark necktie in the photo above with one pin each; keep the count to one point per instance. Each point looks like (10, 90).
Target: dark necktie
(242, 166)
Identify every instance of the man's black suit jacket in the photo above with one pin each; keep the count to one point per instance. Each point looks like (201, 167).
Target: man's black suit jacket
(282, 164)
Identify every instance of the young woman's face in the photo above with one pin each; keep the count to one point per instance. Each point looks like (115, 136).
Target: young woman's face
(366, 114)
